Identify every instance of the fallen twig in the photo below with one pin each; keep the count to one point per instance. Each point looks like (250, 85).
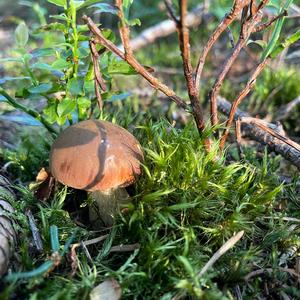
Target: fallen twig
(270, 270)
(98, 79)
(284, 111)
(35, 232)
(124, 248)
(228, 245)
(240, 98)
(91, 242)
(255, 132)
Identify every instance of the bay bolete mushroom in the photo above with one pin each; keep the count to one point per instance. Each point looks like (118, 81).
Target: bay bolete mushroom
(99, 157)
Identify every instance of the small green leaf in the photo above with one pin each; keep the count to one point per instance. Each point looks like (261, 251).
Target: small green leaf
(50, 113)
(9, 59)
(88, 3)
(83, 103)
(290, 40)
(42, 52)
(8, 78)
(75, 86)
(126, 7)
(65, 107)
(89, 86)
(55, 26)
(156, 195)
(260, 43)
(61, 3)
(187, 265)
(62, 17)
(120, 67)
(277, 30)
(83, 52)
(21, 34)
(60, 64)
(105, 8)
(118, 97)
(40, 89)
(134, 22)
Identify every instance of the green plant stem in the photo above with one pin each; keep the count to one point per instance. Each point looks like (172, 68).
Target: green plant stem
(30, 73)
(35, 114)
(75, 37)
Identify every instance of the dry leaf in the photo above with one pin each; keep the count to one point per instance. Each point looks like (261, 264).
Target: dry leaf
(43, 185)
(107, 290)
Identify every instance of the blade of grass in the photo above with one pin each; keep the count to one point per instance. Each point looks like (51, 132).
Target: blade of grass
(54, 238)
(289, 41)
(277, 30)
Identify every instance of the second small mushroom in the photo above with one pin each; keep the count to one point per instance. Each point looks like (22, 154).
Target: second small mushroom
(99, 157)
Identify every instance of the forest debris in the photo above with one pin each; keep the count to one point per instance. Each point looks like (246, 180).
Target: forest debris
(284, 110)
(7, 231)
(228, 245)
(222, 250)
(43, 185)
(255, 131)
(260, 272)
(108, 289)
(124, 248)
(35, 232)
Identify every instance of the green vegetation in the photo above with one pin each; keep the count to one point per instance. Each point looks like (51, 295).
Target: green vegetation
(188, 202)
(185, 206)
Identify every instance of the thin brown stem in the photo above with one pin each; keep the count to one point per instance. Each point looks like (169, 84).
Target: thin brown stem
(171, 11)
(239, 99)
(97, 71)
(248, 26)
(184, 43)
(265, 25)
(98, 79)
(124, 30)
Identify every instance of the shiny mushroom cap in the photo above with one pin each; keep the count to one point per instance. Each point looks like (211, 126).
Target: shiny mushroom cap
(95, 156)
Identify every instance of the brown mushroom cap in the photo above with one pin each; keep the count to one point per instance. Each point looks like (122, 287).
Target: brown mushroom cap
(95, 155)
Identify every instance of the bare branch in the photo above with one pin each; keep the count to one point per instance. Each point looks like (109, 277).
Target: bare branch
(254, 132)
(98, 79)
(270, 22)
(124, 30)
(284, 111)
(97, 71)
(171, 11)
(184, 43)
(99, 38)
(240, 97)
(225, 247)
(261, 124)
(248, 26)
(229, 18)
(259, 272)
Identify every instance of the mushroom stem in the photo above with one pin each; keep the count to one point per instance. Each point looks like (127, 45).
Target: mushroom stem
(106, 205)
